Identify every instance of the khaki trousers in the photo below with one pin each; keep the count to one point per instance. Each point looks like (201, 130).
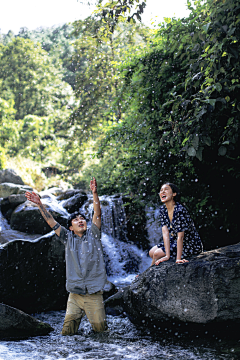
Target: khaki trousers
(79, 305)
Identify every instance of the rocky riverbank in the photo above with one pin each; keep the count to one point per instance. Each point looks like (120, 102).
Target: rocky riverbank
(205, 290)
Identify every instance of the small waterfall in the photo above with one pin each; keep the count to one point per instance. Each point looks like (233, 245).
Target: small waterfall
(123, 259)
(153, 226)
(3, 222)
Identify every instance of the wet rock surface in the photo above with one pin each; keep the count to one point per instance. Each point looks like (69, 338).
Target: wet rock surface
(9, 204)
(10, 176)
(32, 274)
(7, 189)
(27, 217)
(205, 290)
(15, 323)
(70, 193)
(75, 202)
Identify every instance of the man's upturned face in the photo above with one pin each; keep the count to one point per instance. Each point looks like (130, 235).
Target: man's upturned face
(79, 225)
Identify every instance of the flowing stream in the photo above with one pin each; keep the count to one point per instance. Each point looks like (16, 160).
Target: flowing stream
(124, 340)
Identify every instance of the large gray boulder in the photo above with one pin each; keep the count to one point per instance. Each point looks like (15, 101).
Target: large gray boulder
(15, 323)
(70, 193)
(8, 204)
(7, 189)
(205, 290)
(10, 176)
(32, 274)
(74, 203)
(27, 217)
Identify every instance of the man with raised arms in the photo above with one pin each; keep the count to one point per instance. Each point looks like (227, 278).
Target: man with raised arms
(85, 268)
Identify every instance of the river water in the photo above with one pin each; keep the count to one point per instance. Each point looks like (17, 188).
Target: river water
(123, 340)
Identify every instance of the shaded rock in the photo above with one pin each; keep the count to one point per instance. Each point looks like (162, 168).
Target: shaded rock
(69, 193)
(109, 290)
(205, 290)
(10, 176)
(9, 203)
(15, 323)
(33, 274)
(27, 217)
(10, 235)
(75, 202)
(7, 189)
(114, 305)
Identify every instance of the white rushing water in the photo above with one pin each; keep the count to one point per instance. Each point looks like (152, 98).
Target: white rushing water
(3, 223)
(123, 259)
(123, 341)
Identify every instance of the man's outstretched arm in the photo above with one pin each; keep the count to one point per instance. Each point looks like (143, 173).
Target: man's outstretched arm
(33, 197)
(96, 204)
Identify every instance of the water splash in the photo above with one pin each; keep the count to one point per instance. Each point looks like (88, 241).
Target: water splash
(122, 258)
(3, 224)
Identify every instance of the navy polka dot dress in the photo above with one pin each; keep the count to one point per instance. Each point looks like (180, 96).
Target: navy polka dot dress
(181, 221)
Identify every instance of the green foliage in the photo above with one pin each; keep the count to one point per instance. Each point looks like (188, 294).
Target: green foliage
(37, 102)
(58, 43)
(9, 134)
(28, 77)
(31, 173)
(157, 105)
(113, 12)
(107, 170)
(6, 38)
(181, 119)
(97, 60)
(2, 158)
(34, 137)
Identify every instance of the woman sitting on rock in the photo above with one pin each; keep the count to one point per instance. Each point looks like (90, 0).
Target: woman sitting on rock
(180, 237)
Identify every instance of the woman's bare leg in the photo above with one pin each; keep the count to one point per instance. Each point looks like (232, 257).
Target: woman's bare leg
(156, 253)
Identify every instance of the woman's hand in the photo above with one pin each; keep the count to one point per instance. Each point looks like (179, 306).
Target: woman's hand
(33, 197)
(181, 261)
(165, 258)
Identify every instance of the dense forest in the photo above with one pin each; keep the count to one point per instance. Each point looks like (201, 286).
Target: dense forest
(133, 106)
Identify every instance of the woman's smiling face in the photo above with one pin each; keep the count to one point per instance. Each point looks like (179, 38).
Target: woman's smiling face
(166, 194)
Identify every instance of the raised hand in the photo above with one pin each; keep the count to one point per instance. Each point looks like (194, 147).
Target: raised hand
(33, 197)
(93, 185)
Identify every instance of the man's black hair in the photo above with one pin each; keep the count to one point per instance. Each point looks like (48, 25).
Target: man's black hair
(73, 216)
